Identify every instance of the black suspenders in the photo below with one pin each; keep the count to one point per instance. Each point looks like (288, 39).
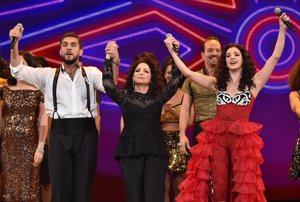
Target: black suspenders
(55, 87)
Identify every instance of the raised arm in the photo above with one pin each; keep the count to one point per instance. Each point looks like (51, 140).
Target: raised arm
(17, 31)
(34, 76)
(110, 87)
(112, 50)
(203, 80)
(262, 76)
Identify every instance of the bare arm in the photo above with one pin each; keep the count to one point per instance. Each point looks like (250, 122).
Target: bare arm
(185, 112)
(295, 103)
(263, 75)
(98, 119)
(121, 124)
(14, 53)
(203, 80)
(43, 132)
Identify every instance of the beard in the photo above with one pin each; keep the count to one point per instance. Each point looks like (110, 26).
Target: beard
(215, 60)
(71, 61)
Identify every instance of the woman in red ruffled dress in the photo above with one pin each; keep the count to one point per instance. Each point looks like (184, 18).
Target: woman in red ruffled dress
(225, 165)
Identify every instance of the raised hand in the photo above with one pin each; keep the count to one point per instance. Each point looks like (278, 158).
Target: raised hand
(111, 49)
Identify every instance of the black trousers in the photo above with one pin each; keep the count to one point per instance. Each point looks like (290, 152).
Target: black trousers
(144, 177)
(72, 159)
(196, 130)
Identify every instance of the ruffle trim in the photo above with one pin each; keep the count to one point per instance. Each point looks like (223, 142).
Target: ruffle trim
(195, 185)
(238, 127)
(248, 184)
(247, 179)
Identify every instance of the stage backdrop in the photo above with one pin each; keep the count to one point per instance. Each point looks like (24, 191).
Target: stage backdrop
(140, 26)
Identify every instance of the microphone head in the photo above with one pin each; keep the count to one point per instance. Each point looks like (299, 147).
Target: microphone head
(277, 10)
(169, 35)
(20, 26)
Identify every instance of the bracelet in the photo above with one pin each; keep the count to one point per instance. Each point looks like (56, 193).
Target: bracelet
(116, 63)
(39, 150)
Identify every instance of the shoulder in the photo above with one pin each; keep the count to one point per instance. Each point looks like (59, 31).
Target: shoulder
(294, 94)
(46, 71)
(91, 70)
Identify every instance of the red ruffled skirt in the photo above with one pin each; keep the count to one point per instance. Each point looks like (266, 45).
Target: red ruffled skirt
(247, 180)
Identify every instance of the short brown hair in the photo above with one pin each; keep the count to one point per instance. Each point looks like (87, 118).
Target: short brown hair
(71, 34)
(209, 39)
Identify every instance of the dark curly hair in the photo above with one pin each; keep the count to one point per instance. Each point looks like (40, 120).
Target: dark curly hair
(168, 61)
(3, 68)
(156, 83)
(40, 61)
(30, 61)
(248, 70)
(294, 77)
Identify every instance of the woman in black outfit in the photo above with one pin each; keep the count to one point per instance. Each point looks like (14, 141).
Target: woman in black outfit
(141, 150)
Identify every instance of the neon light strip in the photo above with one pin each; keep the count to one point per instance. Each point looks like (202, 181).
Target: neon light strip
(188, 49)
(253, 30)
(257, 12)
(30, 7)
(72, 21)
(277, 87)
(102, 60)
(109, 103)
(138, 17)
(196, 64)
(255, 27)
(290, 54)
(194, 16)
(233, 6)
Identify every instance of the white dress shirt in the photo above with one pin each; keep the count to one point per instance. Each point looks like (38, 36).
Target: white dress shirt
(71, 94)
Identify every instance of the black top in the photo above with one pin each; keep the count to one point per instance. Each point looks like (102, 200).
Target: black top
(142, 132)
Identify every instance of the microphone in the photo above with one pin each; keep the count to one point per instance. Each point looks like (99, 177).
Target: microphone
(287, 23)
(14, 38)
(107, 57)
(175, 46)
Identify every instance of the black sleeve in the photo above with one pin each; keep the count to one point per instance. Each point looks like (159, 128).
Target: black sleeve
(111, 89)
(171, 88)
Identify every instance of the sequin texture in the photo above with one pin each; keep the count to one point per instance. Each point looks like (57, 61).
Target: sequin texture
(177, 160)
(19, 142)
(294, 172)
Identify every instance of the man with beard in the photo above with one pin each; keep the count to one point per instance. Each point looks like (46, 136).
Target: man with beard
(71, 105)
(203, 100)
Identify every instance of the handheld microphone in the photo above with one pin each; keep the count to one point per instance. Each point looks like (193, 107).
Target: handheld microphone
(14, 38)
(287, 23)
(175, 47)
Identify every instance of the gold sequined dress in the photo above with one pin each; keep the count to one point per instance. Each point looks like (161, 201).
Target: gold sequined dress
(19, 142)
(177, 160)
